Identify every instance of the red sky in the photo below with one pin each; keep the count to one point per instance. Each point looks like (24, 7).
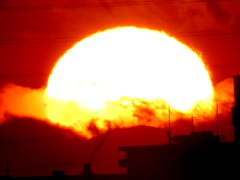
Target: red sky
(34, 34)
(192, 22)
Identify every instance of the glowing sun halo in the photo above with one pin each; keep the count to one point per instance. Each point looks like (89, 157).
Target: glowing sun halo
(125, 62)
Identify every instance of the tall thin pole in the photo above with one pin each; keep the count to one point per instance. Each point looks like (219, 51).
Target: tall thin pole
(217, 118)
(169, 118)
(192, 123)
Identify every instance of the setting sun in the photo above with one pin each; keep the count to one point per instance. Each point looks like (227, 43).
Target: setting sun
(105, 78)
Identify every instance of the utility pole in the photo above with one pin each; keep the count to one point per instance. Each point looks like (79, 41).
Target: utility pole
(192, 123)
(169, 118)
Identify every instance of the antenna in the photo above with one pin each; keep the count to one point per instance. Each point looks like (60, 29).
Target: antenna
(169, 117)
(192, 123)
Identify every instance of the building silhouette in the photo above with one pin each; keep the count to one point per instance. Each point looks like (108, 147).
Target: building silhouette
(199, 155)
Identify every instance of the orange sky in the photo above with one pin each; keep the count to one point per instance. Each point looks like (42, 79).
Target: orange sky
(30, 35)
(34, 34)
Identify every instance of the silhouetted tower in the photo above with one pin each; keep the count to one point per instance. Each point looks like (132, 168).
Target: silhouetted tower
(236, 109)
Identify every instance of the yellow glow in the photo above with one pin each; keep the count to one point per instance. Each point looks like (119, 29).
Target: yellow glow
(101, 76)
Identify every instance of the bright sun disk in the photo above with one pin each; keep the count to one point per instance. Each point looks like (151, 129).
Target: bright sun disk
(124, 63)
